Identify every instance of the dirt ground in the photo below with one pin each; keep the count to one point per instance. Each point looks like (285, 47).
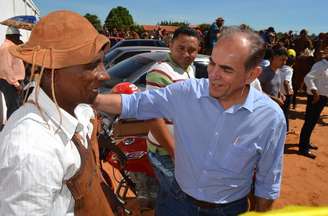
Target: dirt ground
(304, 180)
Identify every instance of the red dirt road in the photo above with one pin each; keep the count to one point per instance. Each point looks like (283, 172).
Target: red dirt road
(305, 180)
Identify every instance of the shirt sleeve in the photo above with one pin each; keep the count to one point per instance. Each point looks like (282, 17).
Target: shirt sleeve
(155, 103)
(256, 84)
(269, 167)
(30, 185)
(289, 75)
(313, 75)
(286, 73)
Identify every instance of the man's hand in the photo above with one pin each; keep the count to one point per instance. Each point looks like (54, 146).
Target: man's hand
(262, 204)
(283, 98)
(278, 100)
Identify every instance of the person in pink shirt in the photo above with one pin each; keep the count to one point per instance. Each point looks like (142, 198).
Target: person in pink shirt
(11, 71)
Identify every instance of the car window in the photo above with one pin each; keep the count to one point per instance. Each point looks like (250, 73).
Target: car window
(160, 44)
(128, 43)
(147, 43)
(201, 69)
(113, 41)
(124, 70)
(127, 55)
(110, 55)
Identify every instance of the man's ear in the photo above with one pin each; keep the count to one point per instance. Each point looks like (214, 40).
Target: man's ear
(254, 73)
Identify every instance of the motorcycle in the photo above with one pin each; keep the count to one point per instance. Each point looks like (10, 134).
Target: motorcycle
(123, 145)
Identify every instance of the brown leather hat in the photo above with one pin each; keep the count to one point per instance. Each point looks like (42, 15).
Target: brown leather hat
(61, 39)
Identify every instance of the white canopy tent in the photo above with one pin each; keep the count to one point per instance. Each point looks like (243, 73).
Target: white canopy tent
(10, 8)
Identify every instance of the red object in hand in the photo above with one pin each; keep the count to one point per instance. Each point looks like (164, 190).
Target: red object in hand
(125, 88)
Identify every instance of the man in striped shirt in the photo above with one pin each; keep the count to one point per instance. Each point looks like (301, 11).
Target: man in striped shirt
(177, 67)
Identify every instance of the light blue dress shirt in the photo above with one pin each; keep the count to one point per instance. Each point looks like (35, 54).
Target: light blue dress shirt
(216, 149)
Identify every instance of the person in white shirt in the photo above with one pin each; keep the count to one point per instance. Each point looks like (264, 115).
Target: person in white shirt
(316, 82)
(39, 150)
(286, 73)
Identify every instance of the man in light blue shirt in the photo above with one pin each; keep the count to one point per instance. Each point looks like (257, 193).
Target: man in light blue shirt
(224, 129)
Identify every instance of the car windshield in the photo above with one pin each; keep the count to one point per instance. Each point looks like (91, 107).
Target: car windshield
(125, 43)
(110, 55)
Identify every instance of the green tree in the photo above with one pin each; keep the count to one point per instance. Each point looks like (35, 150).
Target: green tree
(137, 28)
(119, 18)
(94, 20)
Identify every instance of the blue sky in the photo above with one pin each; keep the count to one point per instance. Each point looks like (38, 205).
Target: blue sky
(283, 15)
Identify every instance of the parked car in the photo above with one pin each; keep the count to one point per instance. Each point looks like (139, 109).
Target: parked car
(114, 40)
(121, 53)
(139, 42)
(134, 69)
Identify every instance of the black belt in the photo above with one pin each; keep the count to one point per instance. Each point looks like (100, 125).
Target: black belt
(204, 204)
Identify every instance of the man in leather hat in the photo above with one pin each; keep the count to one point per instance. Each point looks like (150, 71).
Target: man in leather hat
(47, 162)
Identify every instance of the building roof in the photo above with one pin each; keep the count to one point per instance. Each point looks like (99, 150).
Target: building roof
(155, 27)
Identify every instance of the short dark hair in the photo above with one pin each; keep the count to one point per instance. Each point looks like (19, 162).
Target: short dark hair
(185, 31)
(256, 47)
(279, 52)
(304, 31)
(268, 53)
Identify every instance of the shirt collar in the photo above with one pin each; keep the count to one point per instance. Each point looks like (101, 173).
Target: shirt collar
(248, 103)
(250, 99)
(67, 123)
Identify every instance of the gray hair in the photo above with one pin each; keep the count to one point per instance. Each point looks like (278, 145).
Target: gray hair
(256, 44)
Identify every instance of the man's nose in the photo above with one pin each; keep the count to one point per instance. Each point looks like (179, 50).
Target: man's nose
(215, 73)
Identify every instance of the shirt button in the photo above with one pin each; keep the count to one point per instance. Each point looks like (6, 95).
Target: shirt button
(216, 133)
(210, 154)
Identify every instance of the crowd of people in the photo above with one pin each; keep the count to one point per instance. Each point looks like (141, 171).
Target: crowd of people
(302, 43)
(212, 141)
